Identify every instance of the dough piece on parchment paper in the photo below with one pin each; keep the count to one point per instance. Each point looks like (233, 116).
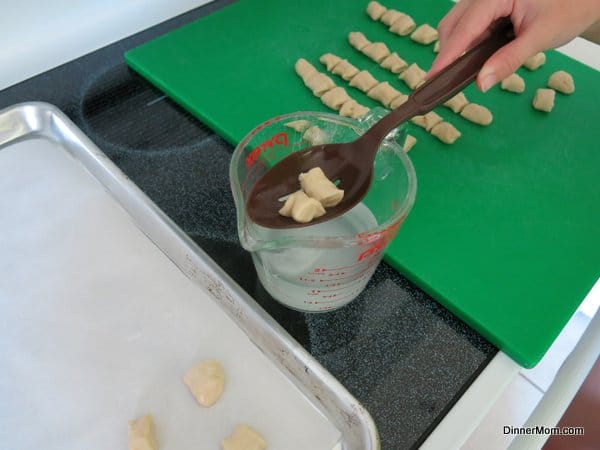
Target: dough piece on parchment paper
(142, 434)
(244, 437)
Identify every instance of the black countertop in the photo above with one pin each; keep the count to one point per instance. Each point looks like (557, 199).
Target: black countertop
(405, 357)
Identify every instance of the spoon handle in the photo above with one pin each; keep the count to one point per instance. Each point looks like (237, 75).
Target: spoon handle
(444, 85)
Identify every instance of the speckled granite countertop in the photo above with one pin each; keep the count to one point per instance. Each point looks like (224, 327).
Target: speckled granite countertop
(395, 349)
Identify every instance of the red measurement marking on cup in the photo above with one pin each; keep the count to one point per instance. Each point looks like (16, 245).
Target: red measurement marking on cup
(347, 277)
(337, 299)
(280, 139)
(378, 240)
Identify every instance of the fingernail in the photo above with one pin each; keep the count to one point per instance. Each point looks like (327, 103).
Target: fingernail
(488, 81)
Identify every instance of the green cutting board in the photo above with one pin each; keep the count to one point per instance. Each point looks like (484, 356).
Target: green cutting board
(505, 231)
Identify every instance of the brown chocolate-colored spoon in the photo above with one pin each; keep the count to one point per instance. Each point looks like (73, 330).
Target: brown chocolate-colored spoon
(352, 162)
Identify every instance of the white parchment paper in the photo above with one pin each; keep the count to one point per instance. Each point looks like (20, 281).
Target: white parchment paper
(97, 327)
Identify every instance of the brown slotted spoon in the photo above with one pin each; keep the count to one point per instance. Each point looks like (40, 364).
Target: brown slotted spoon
(352, 162)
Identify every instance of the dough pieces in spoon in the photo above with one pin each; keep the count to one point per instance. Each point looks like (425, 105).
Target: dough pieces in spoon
(244, 438)
(206, 381)
(142, 434)
(319, 187)
(301, 207)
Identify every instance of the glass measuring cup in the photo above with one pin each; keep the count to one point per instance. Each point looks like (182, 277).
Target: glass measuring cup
(324, 266)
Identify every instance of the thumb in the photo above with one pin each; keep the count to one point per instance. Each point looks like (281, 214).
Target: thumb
(507, 60)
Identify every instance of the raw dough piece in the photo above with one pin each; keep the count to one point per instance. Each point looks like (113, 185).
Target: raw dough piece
(535, 62)
(298, 125)
(425, 34)
(394, 63)
(329, 60)
(391, 16)
(398, 101)
(206, 381)
(384, 93)
(363, 80)
(358, 40)
(445, 132)
(305, 69)
(335, 98)
(409, 143)
(562, 81)
(513, 83)
(377, 51)
(315, 136)
(319, 187)
(142, 434)
(477, 114)
(414, 76)
(544, 99)
(301, 207)
(427, 121)
(286, 209)
(353, 109)
(457, 103)
(436, 47)
(403, 26)
(319, 83)
(375, 10)
(244, 438)
(345, 70)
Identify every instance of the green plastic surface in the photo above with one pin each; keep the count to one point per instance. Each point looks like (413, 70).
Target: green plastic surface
(505, 231)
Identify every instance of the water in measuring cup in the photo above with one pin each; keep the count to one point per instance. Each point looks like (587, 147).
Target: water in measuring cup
(314, 278)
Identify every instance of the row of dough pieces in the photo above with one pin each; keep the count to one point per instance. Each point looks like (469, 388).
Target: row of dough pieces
(402, 24)
(334, 97)
(337, 98)
(413, 76)
(206, 381)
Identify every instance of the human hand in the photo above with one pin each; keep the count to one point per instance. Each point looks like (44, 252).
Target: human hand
(539, 25)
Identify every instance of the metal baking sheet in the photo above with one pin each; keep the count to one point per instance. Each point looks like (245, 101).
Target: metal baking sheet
(105, 302)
